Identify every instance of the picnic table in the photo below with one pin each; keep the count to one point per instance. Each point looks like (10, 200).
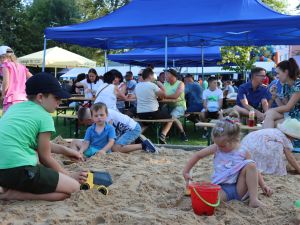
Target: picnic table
(78, 99)
(212, 124)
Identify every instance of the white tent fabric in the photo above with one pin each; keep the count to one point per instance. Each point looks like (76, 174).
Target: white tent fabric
(56, 58)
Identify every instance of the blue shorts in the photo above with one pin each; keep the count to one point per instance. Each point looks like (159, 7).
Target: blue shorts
(92, 151)
(230, 191)
(129, 136)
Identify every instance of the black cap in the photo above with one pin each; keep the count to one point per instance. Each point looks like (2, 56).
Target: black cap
(45, 83)
(172, 71)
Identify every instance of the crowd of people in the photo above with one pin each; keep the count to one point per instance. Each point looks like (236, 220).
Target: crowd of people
(28, 170)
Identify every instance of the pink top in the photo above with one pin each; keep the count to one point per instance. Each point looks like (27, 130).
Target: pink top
(17, 80)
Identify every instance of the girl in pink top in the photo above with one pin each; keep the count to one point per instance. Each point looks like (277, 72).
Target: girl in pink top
(14, 78)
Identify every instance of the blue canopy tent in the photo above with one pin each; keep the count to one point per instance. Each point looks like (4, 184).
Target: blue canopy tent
(177, 56)
(147, 23)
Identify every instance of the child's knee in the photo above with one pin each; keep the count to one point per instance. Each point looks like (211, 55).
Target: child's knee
(251, 166)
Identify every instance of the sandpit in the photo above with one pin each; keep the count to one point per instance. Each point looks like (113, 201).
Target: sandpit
(148, 189)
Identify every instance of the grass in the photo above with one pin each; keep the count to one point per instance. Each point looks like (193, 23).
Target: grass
(194, 136)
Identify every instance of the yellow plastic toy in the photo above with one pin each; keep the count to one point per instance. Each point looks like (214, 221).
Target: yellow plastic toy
(97, 180)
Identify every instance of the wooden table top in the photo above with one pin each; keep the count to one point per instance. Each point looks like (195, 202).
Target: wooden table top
(213, 123)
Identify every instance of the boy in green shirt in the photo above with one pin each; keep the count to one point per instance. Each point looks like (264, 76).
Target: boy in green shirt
(25, 131)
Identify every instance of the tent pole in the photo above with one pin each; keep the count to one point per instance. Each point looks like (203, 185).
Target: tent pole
(166, 52)
(129, 67)
(44, 54)
(202, 62)
(55, 72)
(105, 60)
(173, 63)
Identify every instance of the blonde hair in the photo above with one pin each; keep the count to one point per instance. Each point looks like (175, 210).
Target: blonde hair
(228, 127)
(9, 56)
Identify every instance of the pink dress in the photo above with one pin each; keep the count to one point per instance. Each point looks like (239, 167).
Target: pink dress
(266, 149)
(16, 86)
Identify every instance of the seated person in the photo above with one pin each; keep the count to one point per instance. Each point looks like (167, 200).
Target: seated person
(289, 106)
(25, 141)
(228, 88)
(127, 131)
(193, 96)
(175, 90)
(276, 86)
(100, 136)
(254, 95)
(212, 100)
(147, 93)
(130, 83)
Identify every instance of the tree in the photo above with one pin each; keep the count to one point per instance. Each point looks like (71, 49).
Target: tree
(239, 56)
(277, 5)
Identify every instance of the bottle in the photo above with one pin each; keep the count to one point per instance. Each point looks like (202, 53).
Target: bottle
(251, 119)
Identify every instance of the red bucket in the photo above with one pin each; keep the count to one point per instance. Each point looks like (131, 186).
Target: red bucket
(205, 198)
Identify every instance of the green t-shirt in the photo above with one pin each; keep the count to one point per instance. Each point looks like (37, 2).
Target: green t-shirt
(171, 89)
(19, 130)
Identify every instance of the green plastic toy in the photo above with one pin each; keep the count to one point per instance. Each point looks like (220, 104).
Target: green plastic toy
(297, 204)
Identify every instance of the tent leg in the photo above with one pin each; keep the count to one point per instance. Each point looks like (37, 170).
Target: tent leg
(55, 72)
(166, 53)
(44, 54)
(202, 62)
(105, 61)
(173, 63)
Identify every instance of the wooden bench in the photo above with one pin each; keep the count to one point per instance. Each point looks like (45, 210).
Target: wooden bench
(213, 123)
(157, 124)
(63, 110)
(71, 118)
(186, 115)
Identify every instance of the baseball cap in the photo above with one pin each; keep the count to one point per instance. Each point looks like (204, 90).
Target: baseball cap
(5, 49)
(45, 83)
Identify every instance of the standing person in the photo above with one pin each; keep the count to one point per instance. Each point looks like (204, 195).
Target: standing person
(25, 131)
(175, 90)
(253, 95)
(108, 92)
(288, 73)
(90, 84)
(212, 100)
(130, 83)
(234, 170)
(205, 84)
(14, 78)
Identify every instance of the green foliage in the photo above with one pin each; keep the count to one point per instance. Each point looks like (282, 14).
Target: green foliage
(277, 5)
(240, 56)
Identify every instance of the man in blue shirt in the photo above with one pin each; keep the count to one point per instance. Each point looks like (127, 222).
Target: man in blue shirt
(193, 94)
(254, 95)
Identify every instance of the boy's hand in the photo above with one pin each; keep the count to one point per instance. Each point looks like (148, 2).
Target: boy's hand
(74, 155)
(101, 153)
(267, 190)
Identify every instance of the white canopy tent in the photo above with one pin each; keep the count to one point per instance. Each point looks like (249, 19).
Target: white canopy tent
(56, 58)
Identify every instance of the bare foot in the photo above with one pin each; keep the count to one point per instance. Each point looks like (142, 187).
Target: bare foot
(256, 203)
(6, 194)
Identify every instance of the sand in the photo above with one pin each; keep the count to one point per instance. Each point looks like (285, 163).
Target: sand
(148, 189)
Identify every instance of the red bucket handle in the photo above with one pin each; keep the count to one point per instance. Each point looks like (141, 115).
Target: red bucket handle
(206, 202)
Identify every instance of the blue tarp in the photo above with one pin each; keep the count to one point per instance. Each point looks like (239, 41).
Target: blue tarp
(145, 23)
(178, 56)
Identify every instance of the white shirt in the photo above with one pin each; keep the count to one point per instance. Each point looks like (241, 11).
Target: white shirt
(107, 95)
(146, 97)
(94, 87)
(122, 123)
(212, 99)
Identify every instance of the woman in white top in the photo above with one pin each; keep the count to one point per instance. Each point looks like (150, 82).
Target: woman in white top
(90, 84)
(108, 92)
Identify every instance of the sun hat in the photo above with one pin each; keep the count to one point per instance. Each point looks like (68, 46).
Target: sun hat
(45, 83)
(5, 49)
(290, 127)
